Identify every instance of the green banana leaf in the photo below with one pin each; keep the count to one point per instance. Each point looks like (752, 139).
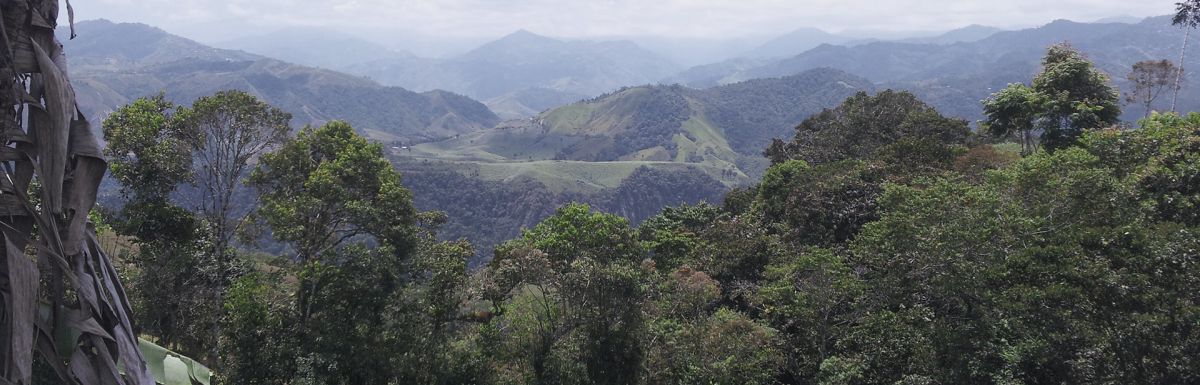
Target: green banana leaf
(170, 368)
(167, 367)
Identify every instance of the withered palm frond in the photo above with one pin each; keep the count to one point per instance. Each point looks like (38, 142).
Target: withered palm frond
(61, 298)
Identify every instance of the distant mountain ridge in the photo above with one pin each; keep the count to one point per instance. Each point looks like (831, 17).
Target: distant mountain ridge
(954, 77)
(113, 64)
(970, 33)
(522, 61)
(794, 43)
(102, 45)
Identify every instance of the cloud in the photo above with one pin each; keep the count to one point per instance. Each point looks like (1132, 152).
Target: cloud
(595, 18)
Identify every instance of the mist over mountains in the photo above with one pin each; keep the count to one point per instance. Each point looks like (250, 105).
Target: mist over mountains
(400, 96)
(112, 64)
(954, 76)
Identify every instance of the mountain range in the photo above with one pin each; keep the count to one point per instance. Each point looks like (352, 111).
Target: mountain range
(501, 71)
(954, 77)
(112, 64)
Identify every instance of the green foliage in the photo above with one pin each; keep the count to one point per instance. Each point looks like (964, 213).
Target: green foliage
(1068, 96)
(820, 205)
(173, 279)
(569, 293)
(575, 231)
(256, 346)
(1078, 96)
(672, 236)
(810, 298)
(864, 123)
(1162, 160)
(144, 153)
(1013, 112)
(723, 348)
(1187, 14)
(329, 185)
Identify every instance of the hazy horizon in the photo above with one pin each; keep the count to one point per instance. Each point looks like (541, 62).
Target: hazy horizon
(441, 27)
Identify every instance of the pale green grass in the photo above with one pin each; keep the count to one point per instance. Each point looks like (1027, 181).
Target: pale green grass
(1009, 147)
(576, 176)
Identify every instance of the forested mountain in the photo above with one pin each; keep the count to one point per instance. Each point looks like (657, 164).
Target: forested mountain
(524, 60)
(101, 45)
(630, 152)
(109, 71)
(723, 126)
(954, 76)
(488, 212)
(796, 43)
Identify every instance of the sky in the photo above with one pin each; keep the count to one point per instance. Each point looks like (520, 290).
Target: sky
(218, 20)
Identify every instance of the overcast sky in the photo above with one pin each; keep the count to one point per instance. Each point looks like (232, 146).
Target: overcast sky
(215, 20)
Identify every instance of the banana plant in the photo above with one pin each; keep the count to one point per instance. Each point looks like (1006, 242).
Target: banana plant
(50, 169)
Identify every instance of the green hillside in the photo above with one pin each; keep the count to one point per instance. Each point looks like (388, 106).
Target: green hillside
(595, 143)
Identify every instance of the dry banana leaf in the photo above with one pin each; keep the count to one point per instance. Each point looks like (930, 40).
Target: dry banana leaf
(84, 331)
(71, 18)
(22, 277)
(52, 138)
(88, 171)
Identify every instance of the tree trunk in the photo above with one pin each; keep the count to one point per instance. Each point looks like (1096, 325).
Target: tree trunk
(1179, 76)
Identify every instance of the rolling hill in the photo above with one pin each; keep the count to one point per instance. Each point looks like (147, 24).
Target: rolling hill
(630, 152)
(113, 64)
(594, 143)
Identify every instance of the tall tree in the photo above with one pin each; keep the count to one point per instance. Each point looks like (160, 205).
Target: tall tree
(1187, 15)
(360, 309)
(172, 282)
(1013, 111)
(1150, 78)
(1076, 96)
(224, 132)
(328, 186)
(1068, 96)
(572, 289)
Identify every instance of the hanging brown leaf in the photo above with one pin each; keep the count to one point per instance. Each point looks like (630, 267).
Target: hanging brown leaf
(22, 277)
(52, 139)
